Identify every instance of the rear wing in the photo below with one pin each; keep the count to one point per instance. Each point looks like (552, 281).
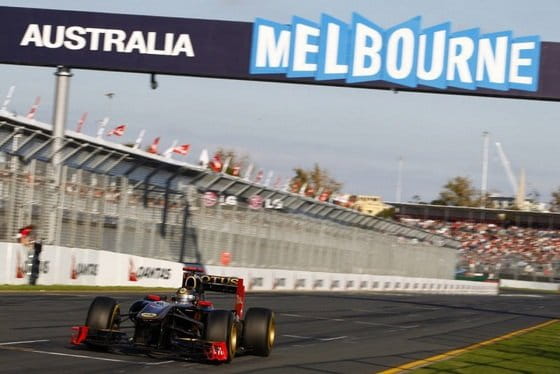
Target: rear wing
(217, 283)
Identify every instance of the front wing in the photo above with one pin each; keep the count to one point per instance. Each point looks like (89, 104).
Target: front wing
(196, 349)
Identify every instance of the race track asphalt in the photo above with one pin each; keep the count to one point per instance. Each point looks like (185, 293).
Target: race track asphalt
(316, 332)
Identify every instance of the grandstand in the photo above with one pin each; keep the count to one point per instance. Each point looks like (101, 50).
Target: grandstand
(109, 196)
(501, 244)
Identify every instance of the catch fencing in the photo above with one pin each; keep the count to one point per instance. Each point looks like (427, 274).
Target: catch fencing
(79, 209)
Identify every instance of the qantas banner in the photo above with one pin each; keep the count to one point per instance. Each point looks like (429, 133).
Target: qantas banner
(355, 52)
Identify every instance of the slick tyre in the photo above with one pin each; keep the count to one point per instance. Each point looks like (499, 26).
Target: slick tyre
(221, 327)
(259, 331)
(104, 313)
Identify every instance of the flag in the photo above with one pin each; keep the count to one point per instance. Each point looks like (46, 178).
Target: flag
(34, 108)
(139, 139)
(216, 163)
(319, 193)
(268, 178)
(118, 131)
(310, 191)
(235, 170)
(226, 164)
(153, 146)
(183, 150)
(259, 176)
(295, 186)
(277, 183)
(8, 98)
(324, 196)
(204, 159)
(167, 153)
(102, 124)
(81, 122)
(248, 173)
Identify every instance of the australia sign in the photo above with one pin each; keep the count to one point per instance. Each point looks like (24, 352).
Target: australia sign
(359, 52)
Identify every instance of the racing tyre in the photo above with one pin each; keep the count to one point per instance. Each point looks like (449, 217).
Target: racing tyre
(221, 327)
(259, 331)
(104, 313)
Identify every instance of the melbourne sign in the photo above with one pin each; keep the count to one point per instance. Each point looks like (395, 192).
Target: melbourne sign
(359, 52)
(404, 54)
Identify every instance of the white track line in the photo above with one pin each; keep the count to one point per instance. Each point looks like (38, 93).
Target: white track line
(343, 320)
(26, 341)
(91, 357)
(335, 338)
(313, 338)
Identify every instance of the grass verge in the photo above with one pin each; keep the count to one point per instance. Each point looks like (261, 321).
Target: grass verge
(537, 351)
(66, 288)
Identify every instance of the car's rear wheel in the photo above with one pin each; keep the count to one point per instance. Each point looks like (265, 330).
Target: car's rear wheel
(220, 327)
(104, 313)
(259, 331)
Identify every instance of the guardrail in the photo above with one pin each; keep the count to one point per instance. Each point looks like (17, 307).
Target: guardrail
(78, 266)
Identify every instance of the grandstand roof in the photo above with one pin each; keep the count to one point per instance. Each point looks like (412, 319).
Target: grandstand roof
(30, 139)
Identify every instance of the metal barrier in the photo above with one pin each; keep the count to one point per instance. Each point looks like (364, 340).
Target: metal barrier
(90, 210)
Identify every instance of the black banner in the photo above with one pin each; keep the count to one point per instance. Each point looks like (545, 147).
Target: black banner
(193, 47)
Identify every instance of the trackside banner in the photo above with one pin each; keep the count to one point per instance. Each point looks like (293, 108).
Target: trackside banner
(356, 52)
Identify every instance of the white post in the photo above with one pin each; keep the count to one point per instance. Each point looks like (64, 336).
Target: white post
(63, 75)
(398, 192)
(484, 179)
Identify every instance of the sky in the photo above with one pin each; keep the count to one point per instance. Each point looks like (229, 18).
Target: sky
(358, 135)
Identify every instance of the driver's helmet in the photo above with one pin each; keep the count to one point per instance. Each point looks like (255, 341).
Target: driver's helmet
(185, 296)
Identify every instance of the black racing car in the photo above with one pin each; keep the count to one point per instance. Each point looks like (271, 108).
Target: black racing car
(185, 325)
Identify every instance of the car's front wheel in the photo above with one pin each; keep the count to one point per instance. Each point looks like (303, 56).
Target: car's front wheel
(221, 327)
(103, 313)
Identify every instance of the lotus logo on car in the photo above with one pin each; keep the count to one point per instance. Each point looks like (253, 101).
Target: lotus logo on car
(405, 54)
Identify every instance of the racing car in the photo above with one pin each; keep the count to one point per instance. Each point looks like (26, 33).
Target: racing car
(185, 324)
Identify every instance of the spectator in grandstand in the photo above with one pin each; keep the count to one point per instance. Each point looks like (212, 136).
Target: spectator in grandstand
(488, 246)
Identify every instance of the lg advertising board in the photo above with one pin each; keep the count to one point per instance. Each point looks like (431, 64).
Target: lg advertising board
(357, 52)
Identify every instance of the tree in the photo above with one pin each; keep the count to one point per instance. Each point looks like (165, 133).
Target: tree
(236, 161)
(458, 191)
(555, 202)
(316, 181)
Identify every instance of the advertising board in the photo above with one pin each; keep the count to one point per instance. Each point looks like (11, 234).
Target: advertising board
(357, 52)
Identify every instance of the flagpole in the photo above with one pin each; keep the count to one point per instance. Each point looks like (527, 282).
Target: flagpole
(81, 122)
(167, 154)
(139, 139)
(34, 108)
(8, 98)
(102, 126)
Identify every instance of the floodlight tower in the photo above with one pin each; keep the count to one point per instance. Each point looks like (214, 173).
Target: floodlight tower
(484, 179)
(507, 168)
(398, 192)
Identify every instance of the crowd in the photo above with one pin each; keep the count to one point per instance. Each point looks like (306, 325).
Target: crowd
(484, 244)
